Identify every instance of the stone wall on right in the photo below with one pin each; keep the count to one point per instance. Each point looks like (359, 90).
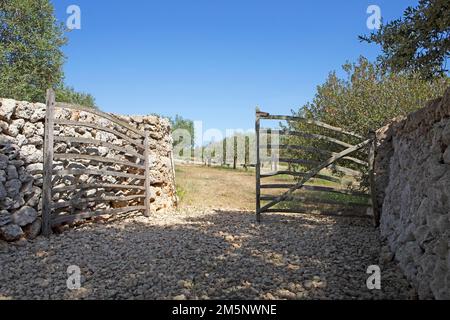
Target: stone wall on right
(413, 185)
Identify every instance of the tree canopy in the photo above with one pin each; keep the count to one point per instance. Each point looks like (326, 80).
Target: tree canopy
(69, 95)
(368, 97)
(180, 123)
(31, 58)
(418, 42)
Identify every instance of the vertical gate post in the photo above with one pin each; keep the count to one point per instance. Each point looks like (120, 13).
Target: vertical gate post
(235, 153)
(172, 162)
(147, 183)
(373, 189)
(224, 152)
(47, 201)
(258, 167)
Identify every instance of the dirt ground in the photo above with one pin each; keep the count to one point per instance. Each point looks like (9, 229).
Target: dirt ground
(210, 248)
(215, 187)
(204, 254)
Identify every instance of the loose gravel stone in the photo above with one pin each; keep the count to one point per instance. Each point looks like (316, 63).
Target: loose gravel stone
(196, 254)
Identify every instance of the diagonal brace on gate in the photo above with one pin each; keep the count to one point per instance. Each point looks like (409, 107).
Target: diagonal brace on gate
(311, 174)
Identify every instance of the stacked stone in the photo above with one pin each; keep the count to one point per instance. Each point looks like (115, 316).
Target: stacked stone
(21, 143)
(413, 179)
(21, 165)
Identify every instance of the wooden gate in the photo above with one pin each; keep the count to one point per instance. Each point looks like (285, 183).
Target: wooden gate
(55, 210)
(329, 164)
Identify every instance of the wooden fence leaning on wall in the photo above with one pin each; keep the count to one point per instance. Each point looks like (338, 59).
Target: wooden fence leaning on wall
(137, 182)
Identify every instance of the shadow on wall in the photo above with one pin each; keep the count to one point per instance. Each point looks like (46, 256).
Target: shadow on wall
(413, 175)
(20, 192)
(220, 255)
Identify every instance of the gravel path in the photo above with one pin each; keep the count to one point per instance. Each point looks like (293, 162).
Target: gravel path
(200, 254)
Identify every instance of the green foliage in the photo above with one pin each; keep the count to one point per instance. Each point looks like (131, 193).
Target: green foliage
(69, 95)
(367, 98)
(31, 58)
(419, 42)
(179, 123)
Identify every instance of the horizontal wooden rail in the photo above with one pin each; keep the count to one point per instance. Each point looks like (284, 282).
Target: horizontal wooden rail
(309, 136)
(79, 172)
(319, 151)
(299, 161)
(317, 189)
(99, 143)
(356, 160)
(137, 143)
(65, 204)
(96, 186)
(74, 156)
(309, 121)
(82, 216)
(312, 200)
(101, 114)
(307, 211)
(300, 174)
(344, 170)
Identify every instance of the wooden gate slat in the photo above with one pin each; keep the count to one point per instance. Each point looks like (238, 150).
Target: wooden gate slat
(79, 172)
(147, 182)
(75, 156)
(48, 164)
(319, 151)
(300, 174)
(310, 136)
(65, 204)
(258, 167)
(96, 142)
(85, 215)
(101, 114)
(322, 213)
(312, 200)
(313, 122)
(316, 189)
(96, 186)
(136, 143)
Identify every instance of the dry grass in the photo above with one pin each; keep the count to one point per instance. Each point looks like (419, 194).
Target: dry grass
(215, 187)
(235, 189)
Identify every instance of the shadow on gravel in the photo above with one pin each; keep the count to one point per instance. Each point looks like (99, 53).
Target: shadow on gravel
(219, 255)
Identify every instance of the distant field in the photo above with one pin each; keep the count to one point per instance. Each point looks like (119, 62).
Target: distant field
(224, 188)
(215, 187)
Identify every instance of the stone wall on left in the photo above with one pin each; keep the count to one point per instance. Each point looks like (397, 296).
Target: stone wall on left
(21, 164)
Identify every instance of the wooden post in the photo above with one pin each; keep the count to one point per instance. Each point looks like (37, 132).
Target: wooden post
(247, 153)
(224, 152)
(258, 168)
(372, 174)
(235, 153)
(147, 182)
(47, 200)
(172, 161)
(203, 155)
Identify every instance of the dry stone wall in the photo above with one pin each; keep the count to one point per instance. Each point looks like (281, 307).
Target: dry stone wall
(21, 164)
(413, 182)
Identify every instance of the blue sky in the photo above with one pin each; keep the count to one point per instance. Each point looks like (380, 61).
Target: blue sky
(213, 60)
